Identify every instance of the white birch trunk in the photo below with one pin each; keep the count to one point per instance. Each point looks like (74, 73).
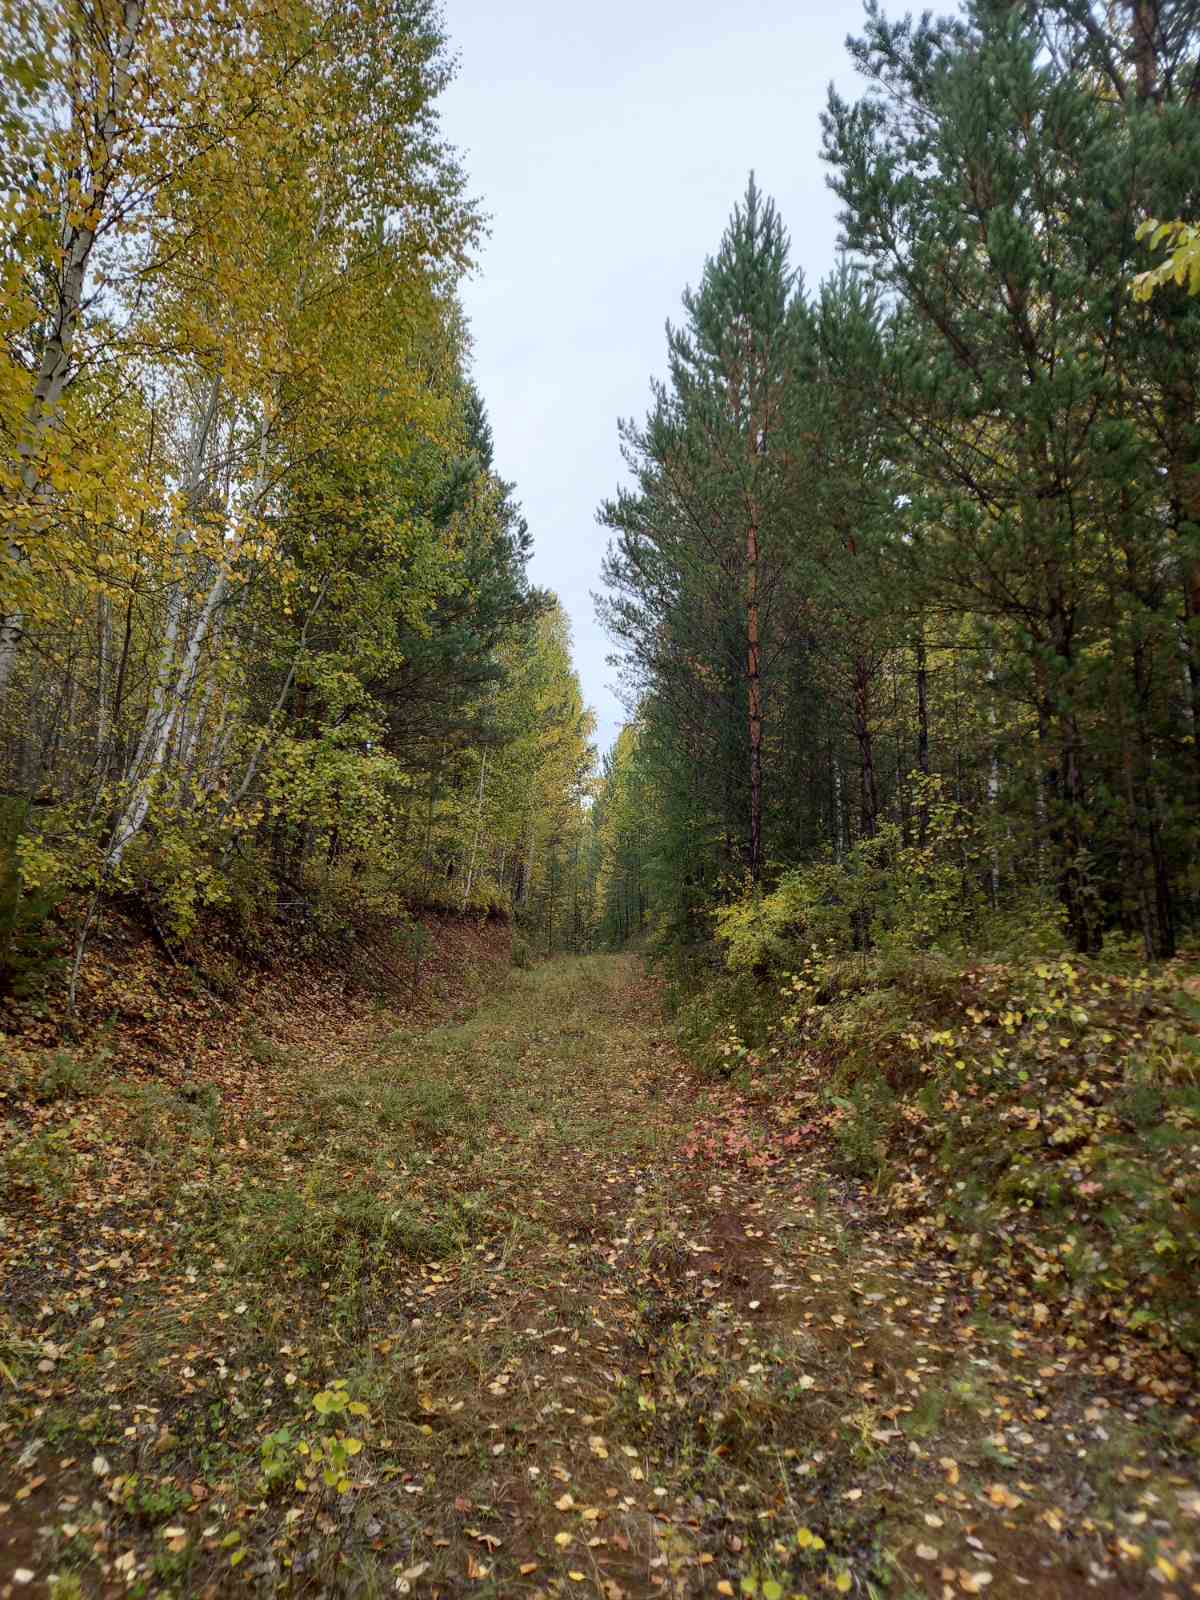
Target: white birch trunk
(215, 760)
(190, 744)
(173, 682)
(156, 735)
(55, 367)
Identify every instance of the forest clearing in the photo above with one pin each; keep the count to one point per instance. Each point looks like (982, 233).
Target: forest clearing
(519, 1304)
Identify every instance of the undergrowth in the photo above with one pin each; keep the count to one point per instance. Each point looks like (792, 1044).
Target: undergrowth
(1040, 1117)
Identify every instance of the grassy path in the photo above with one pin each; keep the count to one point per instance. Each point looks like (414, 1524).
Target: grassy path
(517, 1307)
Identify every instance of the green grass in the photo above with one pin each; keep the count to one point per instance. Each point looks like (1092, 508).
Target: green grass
(488, 1236)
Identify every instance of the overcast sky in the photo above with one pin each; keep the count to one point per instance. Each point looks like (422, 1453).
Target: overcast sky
(609, 143)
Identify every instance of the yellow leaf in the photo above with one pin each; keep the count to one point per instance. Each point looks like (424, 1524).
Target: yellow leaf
(974, 1582)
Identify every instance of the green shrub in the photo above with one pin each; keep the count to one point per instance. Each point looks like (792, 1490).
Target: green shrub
(69, 1076)
(487, 899)
(174, 868)
(882, 895)
(721, 1023)
(30, 949)
(1040, 1112)
(863, 1128)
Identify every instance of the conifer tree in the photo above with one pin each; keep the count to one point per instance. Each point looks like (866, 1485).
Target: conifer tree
(992, 189)
(701, 544)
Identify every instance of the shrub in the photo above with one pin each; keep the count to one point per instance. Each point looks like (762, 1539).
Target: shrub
(29, 947)
(883, 894)
(862, 1131)
(67, 1076)
(719, 1025)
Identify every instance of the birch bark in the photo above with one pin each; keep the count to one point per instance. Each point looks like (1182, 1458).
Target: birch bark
(54, 370)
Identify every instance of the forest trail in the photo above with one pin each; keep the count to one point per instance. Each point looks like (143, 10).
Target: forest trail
(558, 1318)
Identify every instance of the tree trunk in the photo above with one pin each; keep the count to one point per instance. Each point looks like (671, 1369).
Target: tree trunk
(993, 785)
(252, 766)
(754, 687)
(167, 703)
(922, 734)
(869, 792)
(1064, 803)
(1144, 27)
(54, 369)
(1158, 931)
(103, 653)
(478, 827)
(427, 854)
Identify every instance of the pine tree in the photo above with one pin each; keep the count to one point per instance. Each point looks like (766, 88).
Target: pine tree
(979, 179)
(701, 545)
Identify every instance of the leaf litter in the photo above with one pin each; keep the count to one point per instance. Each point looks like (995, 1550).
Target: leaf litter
(516, 1304)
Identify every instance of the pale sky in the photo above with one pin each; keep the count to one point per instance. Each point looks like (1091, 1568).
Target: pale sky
(609, 144)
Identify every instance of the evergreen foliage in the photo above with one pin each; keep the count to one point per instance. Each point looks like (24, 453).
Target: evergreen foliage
(976, 532)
